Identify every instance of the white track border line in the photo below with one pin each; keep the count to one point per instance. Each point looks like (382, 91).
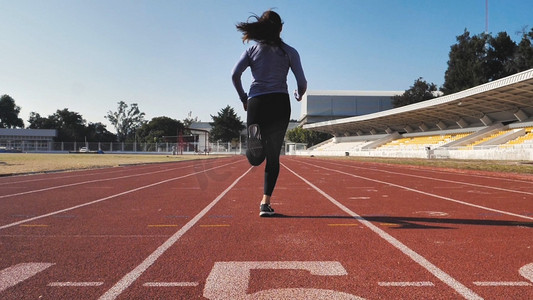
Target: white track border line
(109, 197)
(427, 194)
(419, 259)
(129, 278)
(439, 179)
(89, 181)
(70, 174)
(502, 283)
(170, 284)
(406, 283)
(492, 177)
(75, 284)
(446, 172)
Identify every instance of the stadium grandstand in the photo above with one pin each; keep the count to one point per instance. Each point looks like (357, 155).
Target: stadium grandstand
(489, 121)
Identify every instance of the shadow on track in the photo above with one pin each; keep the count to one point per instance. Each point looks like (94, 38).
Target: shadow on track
(417, 222)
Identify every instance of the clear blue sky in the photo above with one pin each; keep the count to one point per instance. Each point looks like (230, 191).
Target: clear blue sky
(174, 57)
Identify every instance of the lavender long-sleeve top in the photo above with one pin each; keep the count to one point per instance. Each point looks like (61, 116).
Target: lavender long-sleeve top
(270, 66)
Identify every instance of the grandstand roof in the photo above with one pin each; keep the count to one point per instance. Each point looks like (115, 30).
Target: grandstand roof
(19, 132)
(505, 100)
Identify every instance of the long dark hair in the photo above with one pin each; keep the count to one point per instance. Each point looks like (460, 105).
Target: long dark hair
(266, 29)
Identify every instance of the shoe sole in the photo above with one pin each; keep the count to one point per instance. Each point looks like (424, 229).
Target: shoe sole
(266, 214)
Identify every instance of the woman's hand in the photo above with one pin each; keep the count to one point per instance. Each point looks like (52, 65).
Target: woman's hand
(297, 96)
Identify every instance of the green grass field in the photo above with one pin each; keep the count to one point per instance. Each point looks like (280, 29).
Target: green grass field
(22, 163)
(519, 167)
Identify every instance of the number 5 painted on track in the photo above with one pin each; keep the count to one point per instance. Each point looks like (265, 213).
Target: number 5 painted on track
(229, 280)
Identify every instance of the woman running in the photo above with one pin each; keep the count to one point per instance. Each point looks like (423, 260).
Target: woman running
(267, 104)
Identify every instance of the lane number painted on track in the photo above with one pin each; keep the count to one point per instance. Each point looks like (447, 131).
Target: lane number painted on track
(18, 273)
(527, 271)
(229, 280)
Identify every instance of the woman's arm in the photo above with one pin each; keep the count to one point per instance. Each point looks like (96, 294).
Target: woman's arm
(297, 70)
(236, 74)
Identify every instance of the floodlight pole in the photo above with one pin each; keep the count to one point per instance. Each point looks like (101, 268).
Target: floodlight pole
(486, 16)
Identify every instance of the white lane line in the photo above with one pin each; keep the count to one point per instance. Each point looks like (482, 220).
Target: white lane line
(108, 197)
(75, 284)
(170, 284)
(427, 194)
(419, 259)
(70, 175)
(87, 182)
(18, 273)
(84, 173)
(448, 173)
(502, 283)
(443, 180)
(406, 283)
(105, 236)
(129, 278)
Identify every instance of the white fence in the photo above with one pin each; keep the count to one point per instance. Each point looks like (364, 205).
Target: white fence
(153, 148)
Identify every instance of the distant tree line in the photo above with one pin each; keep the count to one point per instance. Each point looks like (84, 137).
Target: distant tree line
(128, 121)
(71, 126)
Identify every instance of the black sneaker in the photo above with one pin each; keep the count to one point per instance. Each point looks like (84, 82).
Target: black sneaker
(266, 210)
(255, 152)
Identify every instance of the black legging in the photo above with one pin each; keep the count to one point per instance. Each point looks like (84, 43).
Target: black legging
(272, 113)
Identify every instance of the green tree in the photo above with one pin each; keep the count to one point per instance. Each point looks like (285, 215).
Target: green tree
(418, 92)
(482, 58)
(226, 126)
(126, 120)
(70, 125)
(38, 122)
(97, 132)
(311, 138)
(158, 127)
(9, 113)
(523, 56)
(500, 55)
(467, 64)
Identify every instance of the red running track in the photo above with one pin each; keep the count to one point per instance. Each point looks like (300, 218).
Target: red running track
(344, 230)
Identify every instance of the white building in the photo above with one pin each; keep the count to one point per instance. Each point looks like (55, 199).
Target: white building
(27, 139)
(318, 106)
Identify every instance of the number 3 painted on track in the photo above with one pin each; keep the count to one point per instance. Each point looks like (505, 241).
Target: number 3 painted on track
(229, 280)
